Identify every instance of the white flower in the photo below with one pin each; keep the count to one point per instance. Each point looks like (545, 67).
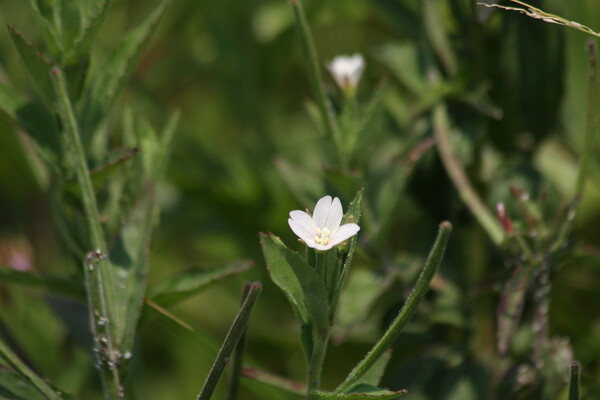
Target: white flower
(347, 70)
(322, 231)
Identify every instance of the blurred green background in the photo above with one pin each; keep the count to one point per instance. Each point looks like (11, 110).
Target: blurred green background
(235, 71)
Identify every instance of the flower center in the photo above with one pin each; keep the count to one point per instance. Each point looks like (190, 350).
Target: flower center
(322, 236)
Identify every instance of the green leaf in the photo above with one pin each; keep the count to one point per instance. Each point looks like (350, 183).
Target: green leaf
(361, 392)
(15, 387)
(71, 22)
(117, 70)
(189, 283)
(302, 285)
(83, 43)
(49, 284)
(36, 65)
(237, 329)
(304, 185)
(374, 375)
(345, 257)
(36, 121)
(300, 282)
(129, 259)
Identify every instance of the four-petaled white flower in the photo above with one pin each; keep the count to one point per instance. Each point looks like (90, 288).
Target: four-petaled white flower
(322, 231)
(347, 70)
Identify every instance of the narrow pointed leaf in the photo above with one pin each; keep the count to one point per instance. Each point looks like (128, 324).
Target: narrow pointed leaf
(190, 283)
(237, 329)
(362, 392)
(35, 120)
(345, 257)
(48, 284)
(71, 18)
(15, 387)
(117, 70)
(406, 312)
(26, 373)
(36, 64)
(83, 43)
(129, 258)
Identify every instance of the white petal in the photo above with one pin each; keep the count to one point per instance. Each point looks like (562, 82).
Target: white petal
(301, 231)
(335, 215)
(344, 232)
(305, 220)
(322, 211)
(317, 246)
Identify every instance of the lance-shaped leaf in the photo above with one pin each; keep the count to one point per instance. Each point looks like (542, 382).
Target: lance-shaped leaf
(190, 283)
(49, 284)
(345, 257)
(302, 285)
(406, 312)
(129, 258)
(36, 65)
(35, 120)
(117, 70)
(237, 329)
(15, 387)
(82, 44)
(362, 392)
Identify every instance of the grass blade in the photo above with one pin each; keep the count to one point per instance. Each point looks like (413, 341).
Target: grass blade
(574, 381)
(15, 363)
(236, 331)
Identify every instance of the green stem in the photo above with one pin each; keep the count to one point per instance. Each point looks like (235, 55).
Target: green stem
(98, 273)
(316, 79)
(233, 336)
(460, 180)
(315, 368)
(574, 381)
(15, 363)
(408, 309)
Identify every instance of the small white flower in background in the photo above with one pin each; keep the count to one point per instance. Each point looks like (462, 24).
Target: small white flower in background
(347, 70)
(322, 231)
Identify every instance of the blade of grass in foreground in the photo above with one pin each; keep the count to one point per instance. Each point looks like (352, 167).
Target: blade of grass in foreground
(238, 327)
(16, 364)
(406, 312)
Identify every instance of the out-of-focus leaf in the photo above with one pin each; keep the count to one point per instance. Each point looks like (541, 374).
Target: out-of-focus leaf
(71, 18)
(36, 65)
(15, 387)
(362, 391)
(114, 74)
(129, 258)
(189, 283)
(403, 61)
(35, 120)
(434, 26)
(345, 257)
(374, 375)
(357, 299)
(304, 185)
(83, 43)
(49, 284)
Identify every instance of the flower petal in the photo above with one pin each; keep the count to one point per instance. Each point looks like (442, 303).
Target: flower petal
(303, 231)
(335, 215)
(344, 232)
(305, 220)
(318, 246)
(322, 211)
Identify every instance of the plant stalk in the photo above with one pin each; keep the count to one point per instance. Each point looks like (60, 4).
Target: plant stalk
(316, 80)
(459, 177)
(315, 368)
(97, 269)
